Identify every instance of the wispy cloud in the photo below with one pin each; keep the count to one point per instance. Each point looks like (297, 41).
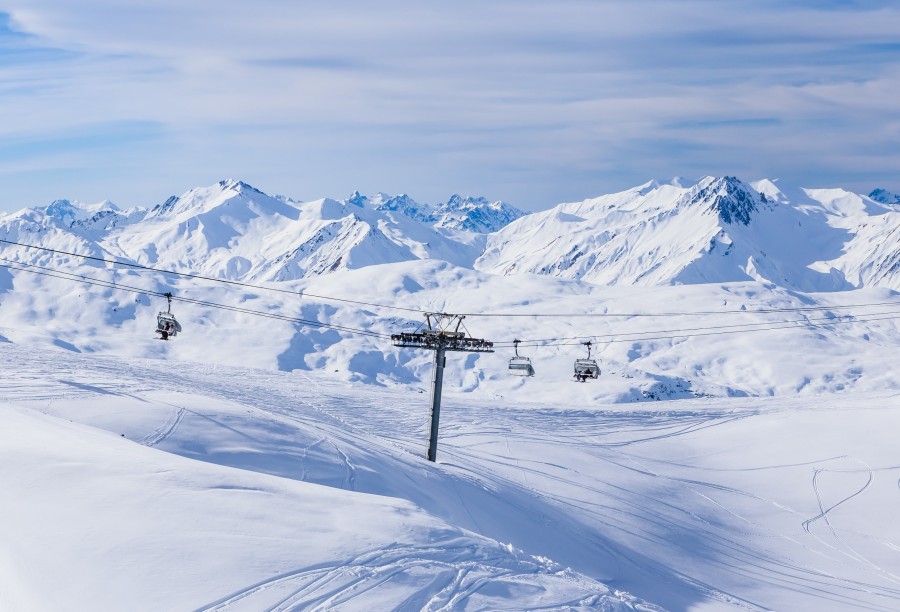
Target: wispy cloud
(530, 101)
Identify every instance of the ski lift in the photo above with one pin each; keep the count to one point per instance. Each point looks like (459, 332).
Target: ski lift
(166, 325)
(520, 366)
(586, 368)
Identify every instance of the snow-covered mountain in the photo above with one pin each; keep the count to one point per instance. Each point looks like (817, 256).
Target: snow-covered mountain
(717, 244)
(884, 196)
(233, 230)
(717, 230)
(475, 214)
(470, 214)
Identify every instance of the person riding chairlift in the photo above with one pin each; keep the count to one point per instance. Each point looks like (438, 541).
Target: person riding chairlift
(167, 327)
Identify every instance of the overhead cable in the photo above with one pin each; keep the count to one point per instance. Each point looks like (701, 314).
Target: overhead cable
(776, 326)
(239, 309)
(225, 281)
(195, 276)
(738, 326)
(704, 313)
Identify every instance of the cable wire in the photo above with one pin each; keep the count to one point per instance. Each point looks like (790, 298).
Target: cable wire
(779, 325)
(679, 314)
(420, 311)
(114, 285)
(191, 275)
(604, 338)
(608, 338)
(550, 341)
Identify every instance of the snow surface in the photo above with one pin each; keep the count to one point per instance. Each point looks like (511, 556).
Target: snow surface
(148, 484)
(261, 463)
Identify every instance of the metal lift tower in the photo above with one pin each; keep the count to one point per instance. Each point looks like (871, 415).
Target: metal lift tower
(439, 339)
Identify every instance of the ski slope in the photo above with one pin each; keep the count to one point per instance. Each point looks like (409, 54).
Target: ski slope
(154, 484)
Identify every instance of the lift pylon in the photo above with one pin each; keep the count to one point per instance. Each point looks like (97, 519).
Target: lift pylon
(440, 339)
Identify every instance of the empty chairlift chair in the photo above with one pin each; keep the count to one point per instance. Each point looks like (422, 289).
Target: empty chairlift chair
(586, 368)
(166, 325)
(520, 366)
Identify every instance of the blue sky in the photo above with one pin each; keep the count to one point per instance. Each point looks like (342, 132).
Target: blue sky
(531, 102)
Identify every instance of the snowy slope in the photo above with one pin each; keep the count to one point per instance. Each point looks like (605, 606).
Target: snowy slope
(718, 230)
(99, 522)
(239, 489)
(746, 344)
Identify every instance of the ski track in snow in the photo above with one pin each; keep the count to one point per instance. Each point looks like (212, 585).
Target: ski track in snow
(486, 449)
(842, 545)
(325, 588)
(166, 429)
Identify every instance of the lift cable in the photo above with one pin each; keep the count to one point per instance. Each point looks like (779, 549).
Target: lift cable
(114, 285)
(195, 276)
(849, 317)
(613, 339)
(225, 281)
(695, 313)
(571, 341)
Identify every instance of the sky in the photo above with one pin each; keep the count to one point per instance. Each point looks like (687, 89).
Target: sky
(531, 102)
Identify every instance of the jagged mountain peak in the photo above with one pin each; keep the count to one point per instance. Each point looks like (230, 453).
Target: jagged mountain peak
(357, 199)
(884, 196)
(475, 214)
(75, 214)
(204, 199)
(732, 199)
(469, 213)
(401, 203)
(237, 185)
(63, 207)
(457, 201)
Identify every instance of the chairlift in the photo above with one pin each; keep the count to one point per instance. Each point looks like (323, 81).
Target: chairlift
(166, 325)
(586, 368)
(520, 366)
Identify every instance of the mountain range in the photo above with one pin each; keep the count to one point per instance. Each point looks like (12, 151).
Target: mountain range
(660, 233)
(376, 263)
(717, 230)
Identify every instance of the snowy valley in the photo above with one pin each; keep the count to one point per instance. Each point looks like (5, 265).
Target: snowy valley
(736, 451)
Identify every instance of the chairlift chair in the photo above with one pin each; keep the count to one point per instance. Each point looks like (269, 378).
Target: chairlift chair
(586, 368)
(520, 366)
(166, 325)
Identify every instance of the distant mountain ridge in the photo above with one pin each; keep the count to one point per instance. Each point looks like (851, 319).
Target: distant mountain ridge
(719, 229)
(472, 214)
(884, 196)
